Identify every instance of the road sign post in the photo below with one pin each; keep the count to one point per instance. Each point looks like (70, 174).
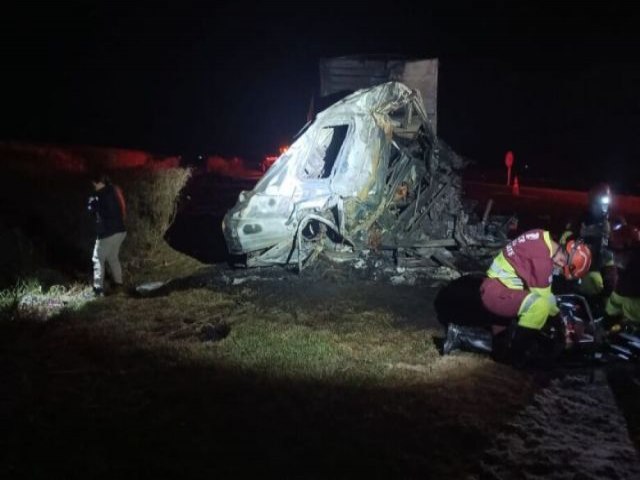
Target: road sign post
(508, 161)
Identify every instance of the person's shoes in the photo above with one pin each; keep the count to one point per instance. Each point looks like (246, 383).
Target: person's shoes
(452, 341)
(472, 339)
(98, 292)
(117, 288)
(477, 340)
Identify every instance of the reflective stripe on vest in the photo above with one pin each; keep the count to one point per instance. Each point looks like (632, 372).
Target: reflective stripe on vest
(534, 312)
(502, 270)
(527, 302)
(547, 239)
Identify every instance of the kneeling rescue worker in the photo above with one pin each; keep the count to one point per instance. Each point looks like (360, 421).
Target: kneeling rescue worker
(518, 289)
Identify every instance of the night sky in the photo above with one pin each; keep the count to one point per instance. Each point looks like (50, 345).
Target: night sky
(559, 85)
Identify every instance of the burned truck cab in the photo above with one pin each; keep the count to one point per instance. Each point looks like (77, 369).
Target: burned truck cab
(368, 173)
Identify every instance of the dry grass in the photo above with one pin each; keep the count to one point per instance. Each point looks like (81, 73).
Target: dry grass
(152, 197)
(289, 383)
(343, 344)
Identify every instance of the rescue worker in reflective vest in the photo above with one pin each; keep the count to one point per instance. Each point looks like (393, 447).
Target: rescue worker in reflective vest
(518, 286)
(594, 228)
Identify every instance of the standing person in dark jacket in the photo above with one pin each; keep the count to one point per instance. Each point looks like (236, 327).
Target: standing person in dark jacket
(108, 207)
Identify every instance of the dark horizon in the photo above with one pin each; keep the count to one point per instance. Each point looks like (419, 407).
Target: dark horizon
(555, 85)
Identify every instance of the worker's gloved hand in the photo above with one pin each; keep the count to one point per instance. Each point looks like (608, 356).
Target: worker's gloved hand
(615, 328)
(613, 325)
(627, 326)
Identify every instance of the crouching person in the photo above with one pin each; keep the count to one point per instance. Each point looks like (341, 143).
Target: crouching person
(518, 289)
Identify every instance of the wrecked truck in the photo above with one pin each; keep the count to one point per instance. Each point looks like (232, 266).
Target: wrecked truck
(367, 174)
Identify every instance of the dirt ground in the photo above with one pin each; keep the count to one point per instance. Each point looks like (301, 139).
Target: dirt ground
(414, 305)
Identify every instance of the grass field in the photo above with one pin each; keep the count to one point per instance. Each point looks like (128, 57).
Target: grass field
(141, 387)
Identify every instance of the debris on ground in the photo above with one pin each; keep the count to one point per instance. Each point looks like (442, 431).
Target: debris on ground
(148, 288)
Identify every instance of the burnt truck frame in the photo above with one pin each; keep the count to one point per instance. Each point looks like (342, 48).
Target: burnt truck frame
(367, 174)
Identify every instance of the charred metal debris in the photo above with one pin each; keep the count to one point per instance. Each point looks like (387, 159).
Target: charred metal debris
(367, 175)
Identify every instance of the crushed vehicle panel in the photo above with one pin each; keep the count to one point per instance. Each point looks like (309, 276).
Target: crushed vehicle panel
(367, 174)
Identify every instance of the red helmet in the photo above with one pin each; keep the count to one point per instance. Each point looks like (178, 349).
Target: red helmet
(578, 261)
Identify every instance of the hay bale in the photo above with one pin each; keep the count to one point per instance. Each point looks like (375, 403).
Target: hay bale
(152, 198)
(51, 211)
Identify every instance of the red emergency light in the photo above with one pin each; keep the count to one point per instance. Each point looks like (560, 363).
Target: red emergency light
(271, 159)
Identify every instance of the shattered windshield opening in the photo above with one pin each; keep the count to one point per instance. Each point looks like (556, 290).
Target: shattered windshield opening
(323, 156)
